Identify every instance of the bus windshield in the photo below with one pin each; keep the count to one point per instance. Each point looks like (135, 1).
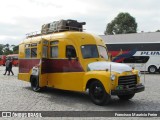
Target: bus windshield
(91, 51)
(103, 52)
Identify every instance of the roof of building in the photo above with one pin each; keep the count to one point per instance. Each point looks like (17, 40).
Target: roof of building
(133, 37)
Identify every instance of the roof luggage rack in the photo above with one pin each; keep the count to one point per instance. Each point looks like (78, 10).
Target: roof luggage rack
(58, 26)
(33, 34)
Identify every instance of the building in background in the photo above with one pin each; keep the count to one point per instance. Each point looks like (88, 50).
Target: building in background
(130, 38)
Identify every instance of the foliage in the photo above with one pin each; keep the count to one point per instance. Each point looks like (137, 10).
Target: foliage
(15, 49)
(122, 24)
(8, 49)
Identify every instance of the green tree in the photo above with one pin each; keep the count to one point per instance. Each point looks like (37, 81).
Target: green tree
(6, 50)
(15, 49)
(158, 31)
(1, 49)
(122, 24)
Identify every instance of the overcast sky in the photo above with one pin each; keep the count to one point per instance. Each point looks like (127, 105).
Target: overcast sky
(18, 17)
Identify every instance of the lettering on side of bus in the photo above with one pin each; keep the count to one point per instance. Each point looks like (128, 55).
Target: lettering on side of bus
(150, 53)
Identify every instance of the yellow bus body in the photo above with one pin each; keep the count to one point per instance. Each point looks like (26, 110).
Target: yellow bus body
(48, 54)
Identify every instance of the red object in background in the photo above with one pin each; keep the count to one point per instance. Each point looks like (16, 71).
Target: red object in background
(14, 57)
(2, 60)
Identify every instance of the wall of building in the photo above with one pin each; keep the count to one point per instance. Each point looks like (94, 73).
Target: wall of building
(130, 38)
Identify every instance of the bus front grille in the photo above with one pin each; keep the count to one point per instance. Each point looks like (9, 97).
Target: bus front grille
(128, 81)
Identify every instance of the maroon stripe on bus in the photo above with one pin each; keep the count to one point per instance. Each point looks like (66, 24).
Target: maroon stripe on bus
(60, 65)
(25, 65)
(50, 65)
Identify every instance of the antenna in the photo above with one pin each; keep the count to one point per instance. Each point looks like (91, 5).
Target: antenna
(110, 78)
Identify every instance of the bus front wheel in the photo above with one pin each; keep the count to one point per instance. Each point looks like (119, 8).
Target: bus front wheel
(98, 94)
(35, 84)
(152, 69)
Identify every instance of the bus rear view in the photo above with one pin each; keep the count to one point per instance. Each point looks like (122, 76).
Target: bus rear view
(2, 60)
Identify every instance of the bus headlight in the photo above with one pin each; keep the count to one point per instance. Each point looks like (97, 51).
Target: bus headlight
(113, 77)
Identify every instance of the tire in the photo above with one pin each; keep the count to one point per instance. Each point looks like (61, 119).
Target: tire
(152, 69)
(98, 94)
(35, 84)
(126, 97)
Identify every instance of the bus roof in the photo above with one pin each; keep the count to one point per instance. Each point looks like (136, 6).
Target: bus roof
(59, 35)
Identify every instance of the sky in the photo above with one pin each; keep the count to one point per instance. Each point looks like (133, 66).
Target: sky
(19, 17)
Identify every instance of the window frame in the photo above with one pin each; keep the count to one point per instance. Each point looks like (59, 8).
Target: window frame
(29, 47)
(33, 48)
(57, 51)
(45, 53)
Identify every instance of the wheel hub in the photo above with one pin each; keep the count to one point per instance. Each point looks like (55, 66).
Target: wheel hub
(98, 92)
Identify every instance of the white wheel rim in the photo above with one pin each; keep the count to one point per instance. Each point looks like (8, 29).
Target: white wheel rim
(152, 69)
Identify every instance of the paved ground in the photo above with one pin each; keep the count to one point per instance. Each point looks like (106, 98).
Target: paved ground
(17, 95)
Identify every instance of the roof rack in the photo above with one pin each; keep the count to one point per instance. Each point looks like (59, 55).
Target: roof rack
(51, 30)
(33, 34)
(58, 26)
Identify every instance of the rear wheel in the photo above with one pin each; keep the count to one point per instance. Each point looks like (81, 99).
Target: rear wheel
(126, 97)
(35, 84)
(152, 69)
(98, 94)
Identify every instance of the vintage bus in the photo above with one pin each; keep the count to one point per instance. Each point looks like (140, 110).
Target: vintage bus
(14, 57)
(143, 56)
(2, 60)
(76, 61)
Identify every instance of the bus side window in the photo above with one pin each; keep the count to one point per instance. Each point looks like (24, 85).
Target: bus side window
(33, 52)
(137, 59)
(54, 52)
(45, 52)
(27, 53)
(45, 49)
(70, 51)
(129, 60)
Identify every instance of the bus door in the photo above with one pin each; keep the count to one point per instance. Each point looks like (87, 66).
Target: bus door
(65, 71)
(73, 74)
(44, 60)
